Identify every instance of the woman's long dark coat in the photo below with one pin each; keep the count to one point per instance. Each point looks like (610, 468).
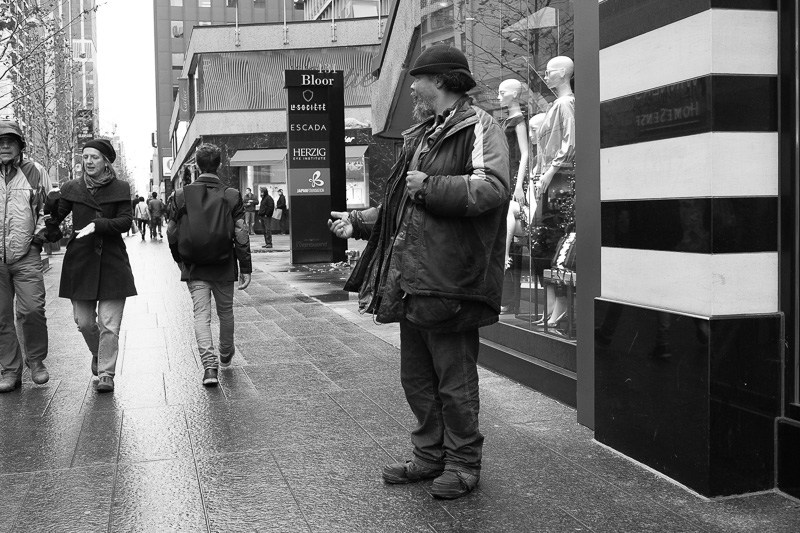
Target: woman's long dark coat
(96, 267)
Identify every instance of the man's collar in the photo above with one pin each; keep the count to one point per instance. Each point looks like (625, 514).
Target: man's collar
(207, 177)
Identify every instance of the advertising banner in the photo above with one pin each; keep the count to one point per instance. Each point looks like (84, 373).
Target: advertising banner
(84, 126)
(316, 163)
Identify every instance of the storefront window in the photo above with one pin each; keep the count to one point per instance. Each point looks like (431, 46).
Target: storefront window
(357, 177)
(521, 54)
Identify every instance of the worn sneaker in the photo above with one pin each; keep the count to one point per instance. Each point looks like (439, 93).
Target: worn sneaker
(453, 484)
(105, 384)
(39, 374)
(10, 382)
(225, 360)
(210, 378)
(408, 472)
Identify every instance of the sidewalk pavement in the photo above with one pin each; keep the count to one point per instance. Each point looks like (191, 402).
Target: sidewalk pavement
(295, 436)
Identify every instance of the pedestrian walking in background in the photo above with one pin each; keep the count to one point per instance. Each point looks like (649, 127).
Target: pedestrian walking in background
(156, 207)
(265, 211)
(142, 215)
(250, 204)
(134, 223)
(434, 263)
(209, 241)
(96, 274)
(23, 189)
(284, 212)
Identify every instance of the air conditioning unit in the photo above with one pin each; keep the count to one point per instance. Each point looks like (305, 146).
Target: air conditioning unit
(299, 4)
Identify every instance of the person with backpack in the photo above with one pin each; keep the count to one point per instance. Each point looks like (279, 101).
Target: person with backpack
(265, 211)
(23, 189)
(96, 274)
(209, 240)
(142, 216)
(156, 207)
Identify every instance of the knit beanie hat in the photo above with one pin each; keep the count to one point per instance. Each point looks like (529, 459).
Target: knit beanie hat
(441, 58)
(104, 147)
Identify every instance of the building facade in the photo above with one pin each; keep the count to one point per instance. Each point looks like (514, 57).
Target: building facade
(678, 341)
(173, 24)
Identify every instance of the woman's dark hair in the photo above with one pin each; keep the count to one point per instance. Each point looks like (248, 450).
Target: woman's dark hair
(207, 156)
(455, 82)
(141, 198)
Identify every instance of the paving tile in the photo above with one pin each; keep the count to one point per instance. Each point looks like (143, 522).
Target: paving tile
(353, 373)
(224, 427)
(374, 420)
(13, 488)
(131, 391)
(307, 326)
(325, 347)
(157, 496)
(289, 379)
(99, 440)
(29, 444)
(247, 492)
(340, 489)
(143, 360)
(29, 400)
(152, 337)
(63, 501)
(276, 351)
(236, 383)
(153, 434)
(186, 387)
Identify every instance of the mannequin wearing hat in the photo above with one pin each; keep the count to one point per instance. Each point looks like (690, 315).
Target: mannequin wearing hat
(555, 160)
(96, 274)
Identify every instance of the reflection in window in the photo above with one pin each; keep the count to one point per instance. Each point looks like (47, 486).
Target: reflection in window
(176, 3)
(204, 3)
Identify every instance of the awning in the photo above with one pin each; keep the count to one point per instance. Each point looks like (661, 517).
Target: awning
(355, 151)
(254, 158)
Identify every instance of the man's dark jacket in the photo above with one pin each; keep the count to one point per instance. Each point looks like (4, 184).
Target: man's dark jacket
(241, 243)
(445, 247)
(267, 206)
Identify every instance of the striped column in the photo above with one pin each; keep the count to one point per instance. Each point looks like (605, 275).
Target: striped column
(687, 345)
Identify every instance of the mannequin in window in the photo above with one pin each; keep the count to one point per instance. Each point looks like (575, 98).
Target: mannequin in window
(509, 94)
(555, 160)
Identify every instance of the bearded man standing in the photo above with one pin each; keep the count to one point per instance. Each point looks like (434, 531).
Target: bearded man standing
(434, 263)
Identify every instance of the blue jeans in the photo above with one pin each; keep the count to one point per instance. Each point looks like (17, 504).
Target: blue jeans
(99, 322)
(439, 373)
(25, 281)
(201, 292)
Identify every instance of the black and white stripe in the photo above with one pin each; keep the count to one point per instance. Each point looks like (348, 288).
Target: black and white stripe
(689, 157)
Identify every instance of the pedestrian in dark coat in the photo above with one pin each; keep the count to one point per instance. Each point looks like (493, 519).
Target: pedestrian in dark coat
(96, 273)
(265, 211)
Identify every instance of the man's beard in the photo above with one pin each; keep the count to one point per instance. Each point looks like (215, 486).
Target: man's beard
(424, 107)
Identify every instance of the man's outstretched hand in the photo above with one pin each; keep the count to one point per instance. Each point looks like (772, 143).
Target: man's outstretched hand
(340, 225)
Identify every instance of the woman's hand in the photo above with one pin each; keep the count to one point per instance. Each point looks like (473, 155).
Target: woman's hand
(88, 230)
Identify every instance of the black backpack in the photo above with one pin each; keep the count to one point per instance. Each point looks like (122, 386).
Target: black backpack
(205, 225)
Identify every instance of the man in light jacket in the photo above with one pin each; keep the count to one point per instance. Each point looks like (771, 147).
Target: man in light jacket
(434, 263)
(23, 188)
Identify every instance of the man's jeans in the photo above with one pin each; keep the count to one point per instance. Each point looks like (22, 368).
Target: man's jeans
(99, 323)
(249, 220)
(25, 280)
(201, 292)
(439, 374)
(267, 223)
(155, 223)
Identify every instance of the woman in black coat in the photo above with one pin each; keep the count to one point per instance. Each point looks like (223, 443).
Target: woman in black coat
(96, 273)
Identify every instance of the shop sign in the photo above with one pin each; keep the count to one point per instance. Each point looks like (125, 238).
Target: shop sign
(316, 164)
